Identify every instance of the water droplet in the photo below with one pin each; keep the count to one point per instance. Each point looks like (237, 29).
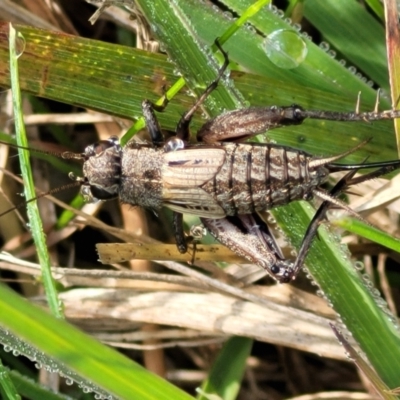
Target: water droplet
(273, 8)
(174, 144)
(352, 69)
(250, 28)
(280, 13)
(297, 27)
(301, 139)
(324, 46)
(285, 48)
(228, 15)
(332, 53)
(359, 265)
(69, 382)
(20, 44)
(375, 292)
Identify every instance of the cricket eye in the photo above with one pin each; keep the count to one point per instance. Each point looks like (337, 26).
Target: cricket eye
(275, 269)
(104, 194)
(93, 194)
(101, 146)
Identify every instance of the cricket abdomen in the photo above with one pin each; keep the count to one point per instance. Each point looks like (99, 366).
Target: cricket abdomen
(259, 177)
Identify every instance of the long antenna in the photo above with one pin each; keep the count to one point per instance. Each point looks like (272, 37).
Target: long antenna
(39, 196)
(66, 155)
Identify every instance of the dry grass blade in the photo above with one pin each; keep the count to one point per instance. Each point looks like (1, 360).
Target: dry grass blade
(281, 325)
(112, 253)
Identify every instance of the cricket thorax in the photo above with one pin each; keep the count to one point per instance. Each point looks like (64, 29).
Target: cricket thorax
(141, 182)
(131, 173)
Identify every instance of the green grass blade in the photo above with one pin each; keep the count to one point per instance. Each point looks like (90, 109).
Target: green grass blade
(368, 232)
(75, 353)
(227, 371)
(7, 388)
(341, 21)
(29, 187)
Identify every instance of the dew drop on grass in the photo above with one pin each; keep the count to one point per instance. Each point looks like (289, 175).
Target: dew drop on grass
(324, 46)
(20, 44)
(359, 265)
(285, 48)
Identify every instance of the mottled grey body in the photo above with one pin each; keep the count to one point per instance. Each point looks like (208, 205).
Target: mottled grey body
(211, 181)
(141, 180)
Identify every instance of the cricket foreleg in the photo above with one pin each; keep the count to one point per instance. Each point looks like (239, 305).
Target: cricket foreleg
(152, 123)
(248, 238)
(177, 223)
(182, 129)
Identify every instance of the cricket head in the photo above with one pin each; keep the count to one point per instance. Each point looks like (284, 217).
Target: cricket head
(101, 170)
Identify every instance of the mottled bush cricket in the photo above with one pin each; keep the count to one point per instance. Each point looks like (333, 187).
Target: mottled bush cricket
(222, 181)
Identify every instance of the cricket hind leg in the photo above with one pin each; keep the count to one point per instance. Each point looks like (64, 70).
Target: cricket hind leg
(249, 237)
(312, 230)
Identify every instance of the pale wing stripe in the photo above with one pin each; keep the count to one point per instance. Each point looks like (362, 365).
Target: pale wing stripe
(192, 167)
(193, 201)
